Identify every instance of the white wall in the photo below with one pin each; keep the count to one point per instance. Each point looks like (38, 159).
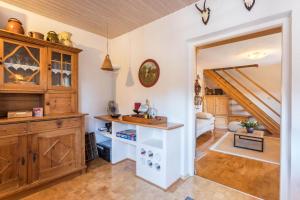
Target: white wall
(96, 87)
(165, 40)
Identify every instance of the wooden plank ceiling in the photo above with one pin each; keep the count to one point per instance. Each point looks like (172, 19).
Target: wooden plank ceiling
(92, 15)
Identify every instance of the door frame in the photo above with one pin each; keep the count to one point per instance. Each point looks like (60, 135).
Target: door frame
(283, 21)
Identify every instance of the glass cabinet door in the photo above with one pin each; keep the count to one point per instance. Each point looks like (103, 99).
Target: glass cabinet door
(21, 64)
(61, 70)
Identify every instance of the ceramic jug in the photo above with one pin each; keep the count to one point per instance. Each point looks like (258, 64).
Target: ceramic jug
(65, 38)
(36, 35)
(52, 37)
(14, 25)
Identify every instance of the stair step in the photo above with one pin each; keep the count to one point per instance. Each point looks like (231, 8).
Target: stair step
(249, 106)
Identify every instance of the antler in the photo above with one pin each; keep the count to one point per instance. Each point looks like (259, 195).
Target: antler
(204, 6)
(198, 8)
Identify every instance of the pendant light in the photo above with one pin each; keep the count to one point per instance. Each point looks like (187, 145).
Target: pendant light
(106, 65)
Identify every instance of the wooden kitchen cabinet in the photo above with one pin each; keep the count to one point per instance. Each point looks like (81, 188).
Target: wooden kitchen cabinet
(23, 66)
(218, 105)
(221, 105)
(209, 104)
(62, 70)
(13, 157)
(58, 103)
(54, 153)
(36, 150)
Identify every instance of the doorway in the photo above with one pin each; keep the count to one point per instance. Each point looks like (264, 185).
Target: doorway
(241, 78)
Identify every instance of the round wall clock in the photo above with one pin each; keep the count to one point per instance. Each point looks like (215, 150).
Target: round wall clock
(149, 73)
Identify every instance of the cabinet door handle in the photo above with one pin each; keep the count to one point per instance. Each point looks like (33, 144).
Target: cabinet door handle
(59, 123)
(48, 103)
(22, 161)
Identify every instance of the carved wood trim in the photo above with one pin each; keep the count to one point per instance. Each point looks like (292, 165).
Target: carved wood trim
(13, 52)
(30, 54)
(49, 149)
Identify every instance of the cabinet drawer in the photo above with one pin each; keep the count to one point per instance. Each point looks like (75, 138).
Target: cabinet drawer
(13, 129)
(59, 103)
(55, 124)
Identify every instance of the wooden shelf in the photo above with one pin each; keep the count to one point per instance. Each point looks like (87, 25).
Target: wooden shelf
(24, 38)
(48, 117)
(166, 126)
(67, 72)
(104, 133)
(58, 61)
(156, 143)
(125, 141)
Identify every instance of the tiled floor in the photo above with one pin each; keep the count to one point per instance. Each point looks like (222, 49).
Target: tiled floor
(118, 182)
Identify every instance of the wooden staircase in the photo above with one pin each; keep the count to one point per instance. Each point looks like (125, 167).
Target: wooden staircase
(262, 117)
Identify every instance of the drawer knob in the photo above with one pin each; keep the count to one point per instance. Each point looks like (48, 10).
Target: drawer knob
(150, 154)
(143, 152)
(48, 103)
(157, 166)
(149, 163)
(59, 123)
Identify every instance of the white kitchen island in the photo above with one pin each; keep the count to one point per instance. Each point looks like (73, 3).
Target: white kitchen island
(156, 149)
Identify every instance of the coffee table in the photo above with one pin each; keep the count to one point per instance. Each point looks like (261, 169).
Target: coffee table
(244, 140)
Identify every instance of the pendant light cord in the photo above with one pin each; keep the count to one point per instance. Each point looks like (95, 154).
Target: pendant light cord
(107, 38)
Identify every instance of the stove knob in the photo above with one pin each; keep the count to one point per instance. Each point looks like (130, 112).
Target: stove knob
(157, 166)
(143, 152)
(150, 154)
(157, 157)
(149, 163)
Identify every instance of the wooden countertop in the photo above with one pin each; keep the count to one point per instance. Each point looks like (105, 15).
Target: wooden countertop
(167, 126)
(48, 117)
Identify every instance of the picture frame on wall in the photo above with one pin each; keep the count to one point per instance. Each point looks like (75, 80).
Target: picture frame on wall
(149, 73)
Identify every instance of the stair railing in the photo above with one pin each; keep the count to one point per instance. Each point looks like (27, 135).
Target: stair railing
(223, 70)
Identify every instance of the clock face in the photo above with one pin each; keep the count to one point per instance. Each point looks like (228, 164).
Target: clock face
(149, 73)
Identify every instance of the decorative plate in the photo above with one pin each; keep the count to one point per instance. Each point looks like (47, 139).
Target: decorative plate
(149, 73)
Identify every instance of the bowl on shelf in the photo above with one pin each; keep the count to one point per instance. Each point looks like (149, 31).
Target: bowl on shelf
(115, 115)
(136, 111)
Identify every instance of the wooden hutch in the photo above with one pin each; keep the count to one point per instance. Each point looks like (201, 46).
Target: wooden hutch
(37, 150)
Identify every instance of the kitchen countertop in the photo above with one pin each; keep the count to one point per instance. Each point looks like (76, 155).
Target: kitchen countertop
(165, 126)
(48, 117)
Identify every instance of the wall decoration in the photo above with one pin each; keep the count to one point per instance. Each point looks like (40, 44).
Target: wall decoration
(14, 25)
(197, 90)
(205, 12)
(249, 4)
(149, 73)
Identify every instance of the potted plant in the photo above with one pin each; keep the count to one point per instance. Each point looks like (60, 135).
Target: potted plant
(250, 125)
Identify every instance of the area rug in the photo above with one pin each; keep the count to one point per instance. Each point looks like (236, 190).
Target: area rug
(271, 152)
